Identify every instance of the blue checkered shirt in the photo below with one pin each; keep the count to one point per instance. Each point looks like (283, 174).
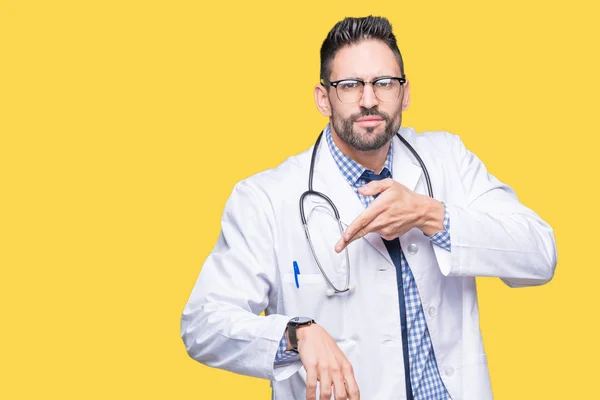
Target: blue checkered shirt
(425, 377)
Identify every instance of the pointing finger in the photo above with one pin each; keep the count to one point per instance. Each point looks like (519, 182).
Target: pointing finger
(355, 227)
(373, 226)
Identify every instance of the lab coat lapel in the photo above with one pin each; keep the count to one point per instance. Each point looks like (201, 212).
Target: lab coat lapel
(330, 181)
(405, 169)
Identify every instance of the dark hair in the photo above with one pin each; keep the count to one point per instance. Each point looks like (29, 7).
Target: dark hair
(352, 31)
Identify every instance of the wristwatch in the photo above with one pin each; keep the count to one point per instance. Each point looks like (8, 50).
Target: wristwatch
(292, 325)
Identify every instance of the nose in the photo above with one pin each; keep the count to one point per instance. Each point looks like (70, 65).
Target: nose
(368, 98)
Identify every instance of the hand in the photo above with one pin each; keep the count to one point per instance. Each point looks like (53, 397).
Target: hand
(325, 362)
(394, 212)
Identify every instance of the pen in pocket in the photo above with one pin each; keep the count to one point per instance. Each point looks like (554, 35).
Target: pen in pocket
(296, 273)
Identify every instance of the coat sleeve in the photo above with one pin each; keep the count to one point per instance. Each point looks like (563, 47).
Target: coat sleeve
(494, 234)
(221, 326)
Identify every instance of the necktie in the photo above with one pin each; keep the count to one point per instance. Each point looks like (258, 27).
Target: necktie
(393, 248)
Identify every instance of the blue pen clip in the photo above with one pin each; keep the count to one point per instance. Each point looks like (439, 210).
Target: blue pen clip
(296, 273)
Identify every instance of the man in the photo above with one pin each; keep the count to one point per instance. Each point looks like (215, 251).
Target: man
(390, 310)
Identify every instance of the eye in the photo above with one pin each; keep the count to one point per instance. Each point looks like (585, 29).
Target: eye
(348, 85)
(384, 83)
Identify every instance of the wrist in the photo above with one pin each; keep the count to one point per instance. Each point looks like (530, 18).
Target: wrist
(295, 331)
(432, 218)
(301, 331)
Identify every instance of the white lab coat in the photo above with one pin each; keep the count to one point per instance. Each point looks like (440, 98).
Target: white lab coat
(251, 270)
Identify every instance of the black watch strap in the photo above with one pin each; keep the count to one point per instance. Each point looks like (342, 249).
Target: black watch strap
(292, 326)
(293, 338)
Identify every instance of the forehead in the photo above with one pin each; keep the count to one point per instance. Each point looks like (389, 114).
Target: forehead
(366, 60)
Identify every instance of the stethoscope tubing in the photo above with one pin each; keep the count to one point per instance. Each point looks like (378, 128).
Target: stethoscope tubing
(310, 192)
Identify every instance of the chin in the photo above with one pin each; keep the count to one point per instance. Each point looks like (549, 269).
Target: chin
(373, 130)
(371, 145)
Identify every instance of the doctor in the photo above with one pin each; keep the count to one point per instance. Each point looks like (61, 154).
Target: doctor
(408, 325)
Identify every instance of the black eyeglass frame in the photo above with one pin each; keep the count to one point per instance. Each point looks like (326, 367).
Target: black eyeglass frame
(334, 84)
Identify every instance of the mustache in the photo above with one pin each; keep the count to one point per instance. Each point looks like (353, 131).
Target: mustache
(370, 112)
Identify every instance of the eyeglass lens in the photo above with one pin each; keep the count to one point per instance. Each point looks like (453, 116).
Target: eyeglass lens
(350, 91)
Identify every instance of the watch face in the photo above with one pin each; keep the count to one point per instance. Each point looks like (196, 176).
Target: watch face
(301, 320)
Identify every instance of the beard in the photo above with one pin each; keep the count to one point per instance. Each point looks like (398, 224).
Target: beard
(370, 141)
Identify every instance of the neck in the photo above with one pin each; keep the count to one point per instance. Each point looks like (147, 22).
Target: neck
(373, 160)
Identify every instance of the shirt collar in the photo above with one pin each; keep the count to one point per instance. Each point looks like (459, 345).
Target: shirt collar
(351, 170)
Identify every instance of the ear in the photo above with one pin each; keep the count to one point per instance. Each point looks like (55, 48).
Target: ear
(322, 100)
(406, 96)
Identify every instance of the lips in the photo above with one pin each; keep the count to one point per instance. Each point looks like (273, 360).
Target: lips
(369, 122)
(369, 119)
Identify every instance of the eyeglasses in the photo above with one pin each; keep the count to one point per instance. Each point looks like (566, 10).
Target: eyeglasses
(386, 88)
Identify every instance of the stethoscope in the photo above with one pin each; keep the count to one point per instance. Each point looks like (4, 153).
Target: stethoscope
(348, 287)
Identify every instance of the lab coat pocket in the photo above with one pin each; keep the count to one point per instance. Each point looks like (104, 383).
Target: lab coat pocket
(307, 279)
(309, 299)
(476, 378)
(349, 349)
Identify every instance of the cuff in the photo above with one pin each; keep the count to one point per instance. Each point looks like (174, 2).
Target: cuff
(284, 356)
(286, 363)
(442, 238)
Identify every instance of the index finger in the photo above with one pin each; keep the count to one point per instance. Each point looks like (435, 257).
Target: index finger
(359, 225)
(311, 384)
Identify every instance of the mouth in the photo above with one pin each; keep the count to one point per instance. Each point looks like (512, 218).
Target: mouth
(367, 122)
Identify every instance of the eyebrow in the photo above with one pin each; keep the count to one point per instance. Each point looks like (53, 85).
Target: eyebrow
(380, 73)
(361, 79)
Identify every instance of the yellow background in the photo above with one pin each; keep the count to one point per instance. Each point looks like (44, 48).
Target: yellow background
(116, 116)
